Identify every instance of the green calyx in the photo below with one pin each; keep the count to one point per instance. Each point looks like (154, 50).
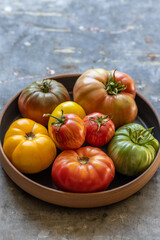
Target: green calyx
(112, 87)
(142, 136)
(60, 121)
(99, 120)
(45, 87)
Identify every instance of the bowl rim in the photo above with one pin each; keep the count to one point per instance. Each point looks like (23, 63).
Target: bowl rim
(147, 174)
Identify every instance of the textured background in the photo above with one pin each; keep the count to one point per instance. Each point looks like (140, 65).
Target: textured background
(39, 38)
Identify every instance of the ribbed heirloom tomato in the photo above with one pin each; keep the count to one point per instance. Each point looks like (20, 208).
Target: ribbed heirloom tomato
(108, 92)
(87, 169)
(41, 97)
(28, 146)
(67, 131)
(132, 149)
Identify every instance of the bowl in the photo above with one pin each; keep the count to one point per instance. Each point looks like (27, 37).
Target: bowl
(41, 186)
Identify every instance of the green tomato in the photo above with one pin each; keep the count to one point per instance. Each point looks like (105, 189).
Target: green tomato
(132, 149)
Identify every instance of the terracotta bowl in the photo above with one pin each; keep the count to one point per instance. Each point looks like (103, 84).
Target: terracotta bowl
(41, 186)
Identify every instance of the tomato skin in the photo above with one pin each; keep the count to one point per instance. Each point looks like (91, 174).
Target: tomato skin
(90, 92)
(71, 134)
(98, 137)
(129, 156)
(70, 174)
(69, 107)
(41, 97)
(28, 146)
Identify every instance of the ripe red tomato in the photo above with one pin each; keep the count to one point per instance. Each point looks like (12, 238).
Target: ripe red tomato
(108, 92)
(67, 131)
(41, 97)
(87, 169)
(99, 129)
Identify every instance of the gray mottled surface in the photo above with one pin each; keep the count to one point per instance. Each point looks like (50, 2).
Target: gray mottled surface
(41, 37)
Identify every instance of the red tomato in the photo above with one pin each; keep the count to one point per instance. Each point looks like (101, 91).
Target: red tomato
(99, 129)
(108, 92)
(87, 169)
(67, 131)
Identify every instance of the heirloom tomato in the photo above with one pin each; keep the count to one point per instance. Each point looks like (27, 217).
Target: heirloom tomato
(41, 97)
(87, 169)
(132, 149)
(69, 107)
(99, 129)
(28, 146)
(108, 92)
(67, 131)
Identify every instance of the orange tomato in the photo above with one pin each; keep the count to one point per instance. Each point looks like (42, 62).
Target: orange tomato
(108, 92)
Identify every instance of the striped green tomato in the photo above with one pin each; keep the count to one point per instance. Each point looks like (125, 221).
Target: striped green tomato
(132, 149)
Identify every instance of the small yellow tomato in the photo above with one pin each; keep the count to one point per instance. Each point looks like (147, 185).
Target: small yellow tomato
(66, 107)
(69, 107)
(28, 146)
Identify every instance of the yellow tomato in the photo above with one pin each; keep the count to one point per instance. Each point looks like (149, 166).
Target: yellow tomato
(66, 107)
(28, 146)
(69, 107)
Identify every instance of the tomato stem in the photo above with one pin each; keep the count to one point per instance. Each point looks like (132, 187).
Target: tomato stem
(113, 87)
(83, 160)
(45, 85)
(59, 121)
(142, 136)
(100, 120)
(30, 136)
